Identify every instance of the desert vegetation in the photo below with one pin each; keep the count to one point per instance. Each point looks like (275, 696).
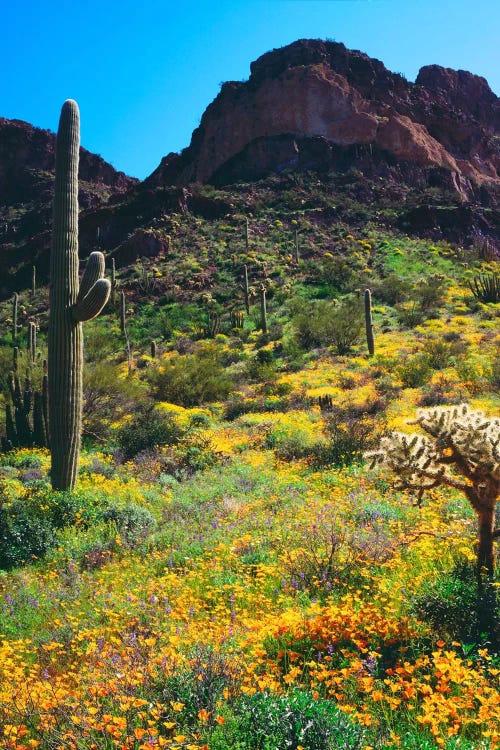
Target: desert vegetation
(253, 551)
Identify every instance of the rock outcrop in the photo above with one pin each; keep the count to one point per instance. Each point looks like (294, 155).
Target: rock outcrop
(27, 156)
(27, 163)
(446, 120)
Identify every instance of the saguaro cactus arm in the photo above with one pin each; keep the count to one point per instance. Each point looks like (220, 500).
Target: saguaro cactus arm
(94, 270)
(92, 303)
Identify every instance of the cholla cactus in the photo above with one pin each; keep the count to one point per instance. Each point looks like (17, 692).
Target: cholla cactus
(464, 453)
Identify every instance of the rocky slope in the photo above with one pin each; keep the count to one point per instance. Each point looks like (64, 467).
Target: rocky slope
(27, 153)
(27, 162)
(445, 126)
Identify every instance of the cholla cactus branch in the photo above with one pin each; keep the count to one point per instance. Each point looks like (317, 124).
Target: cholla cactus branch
(463, 452)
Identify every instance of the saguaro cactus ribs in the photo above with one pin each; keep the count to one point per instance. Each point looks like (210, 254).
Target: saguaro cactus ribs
(70, 304)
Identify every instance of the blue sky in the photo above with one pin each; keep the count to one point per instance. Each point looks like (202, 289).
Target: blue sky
(144, 71)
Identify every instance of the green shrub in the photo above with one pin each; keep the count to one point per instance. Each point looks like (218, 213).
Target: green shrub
(201, 683)
(391, 290)
(133, 522)
(89, 549)
(267, 722)
(262, 367)
(415, 371)
(106, 398)
(193, 379)
(430, 291)
(495, 370)
(239, 405)
(441, 392)
(290, 444)
(339, 272)
(27, 532)
(348, 436)
(194, 453)
(441, 353)
(449, 604)
(148, 430)
(410, 314)
(472, 375)
(325, 323)
(29, 526)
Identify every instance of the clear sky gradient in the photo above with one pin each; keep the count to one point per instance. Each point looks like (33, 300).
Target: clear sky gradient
(143, 71)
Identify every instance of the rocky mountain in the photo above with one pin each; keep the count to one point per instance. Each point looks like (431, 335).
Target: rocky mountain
(317, 105)
(422, 157)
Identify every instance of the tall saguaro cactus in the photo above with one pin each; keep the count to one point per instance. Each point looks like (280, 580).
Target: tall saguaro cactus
(70, 305)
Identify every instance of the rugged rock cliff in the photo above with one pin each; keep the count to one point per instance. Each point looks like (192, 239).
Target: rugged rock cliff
(27, 156)
(447, 120)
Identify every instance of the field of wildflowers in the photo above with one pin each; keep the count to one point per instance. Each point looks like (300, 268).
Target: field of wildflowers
(235, 576)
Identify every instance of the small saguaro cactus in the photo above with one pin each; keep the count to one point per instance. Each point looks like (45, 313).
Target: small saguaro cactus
(325, 402)
(212, 325)
(26, 421)
(32, 340)
(123, 329)
(296, 248)
(237, 319)
(22, 401)
(113, 282)
(33, 281)
(369, 323)
(246, 289)
(14, 316)
(263, 309)
(123, 314)
(70, 303)
(246, 234)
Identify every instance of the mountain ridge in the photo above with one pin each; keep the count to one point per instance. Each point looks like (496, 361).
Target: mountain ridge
(313, 88)
(423, 157)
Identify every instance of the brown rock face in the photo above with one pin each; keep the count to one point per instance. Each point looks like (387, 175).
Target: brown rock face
(411, 141)
(447, 119)
(27, 162)
(27, 152)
